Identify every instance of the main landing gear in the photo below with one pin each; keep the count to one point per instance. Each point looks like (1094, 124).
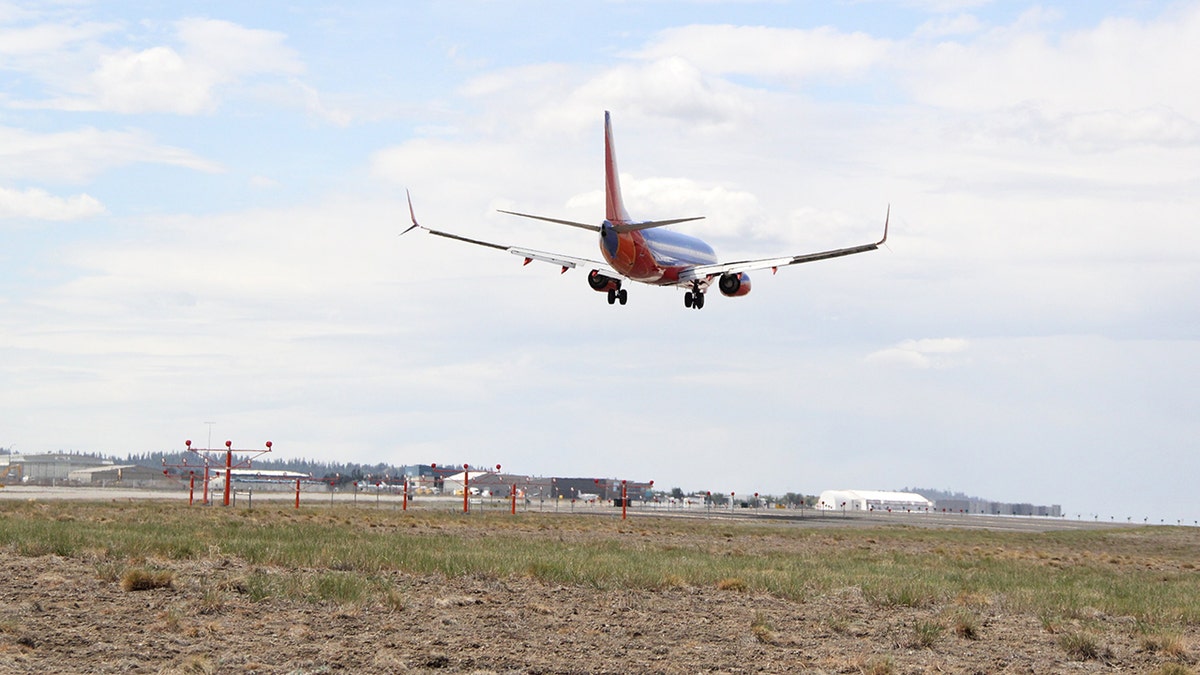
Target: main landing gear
(616, 295)
(694, 298)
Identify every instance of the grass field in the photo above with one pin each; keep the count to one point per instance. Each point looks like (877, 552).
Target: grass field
(1149, 574)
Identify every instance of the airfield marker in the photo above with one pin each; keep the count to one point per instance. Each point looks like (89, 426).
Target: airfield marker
(624, 500)
(228, 469)
(297, 493)
(466, 489)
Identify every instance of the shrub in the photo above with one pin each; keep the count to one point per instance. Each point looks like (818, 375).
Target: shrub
(763, 630)
(1081, 646)
(925, 633)
(965, 626)
(138, 579)
(732, 584)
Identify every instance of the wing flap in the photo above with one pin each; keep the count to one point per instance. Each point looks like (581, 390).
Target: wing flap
(564, 261)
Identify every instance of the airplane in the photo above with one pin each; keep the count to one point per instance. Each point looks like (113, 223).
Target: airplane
(638, 250)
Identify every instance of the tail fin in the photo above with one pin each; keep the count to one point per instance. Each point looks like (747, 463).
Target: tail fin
(614, 205)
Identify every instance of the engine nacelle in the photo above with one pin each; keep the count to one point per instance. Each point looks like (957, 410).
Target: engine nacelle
(734, 285)
(601, 283)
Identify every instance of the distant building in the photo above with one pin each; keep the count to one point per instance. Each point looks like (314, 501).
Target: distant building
(481, 482)
(124, 475)
(268, 480)
(54, 466)
(604, 489)
(985, 507)
(872, 500)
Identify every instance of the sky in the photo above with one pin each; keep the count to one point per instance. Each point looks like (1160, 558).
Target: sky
(200, 206)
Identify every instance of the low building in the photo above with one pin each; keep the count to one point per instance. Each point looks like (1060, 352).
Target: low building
(123, 475)
(267, 480)
(54, 466)
(872, 500)
(985, 507)
(486, 483)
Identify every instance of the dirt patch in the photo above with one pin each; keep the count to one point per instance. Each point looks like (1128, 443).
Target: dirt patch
(72, 615)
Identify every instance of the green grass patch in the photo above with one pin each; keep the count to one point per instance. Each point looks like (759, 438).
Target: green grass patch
(342, 554)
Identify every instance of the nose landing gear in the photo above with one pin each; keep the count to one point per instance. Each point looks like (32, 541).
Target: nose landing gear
(616, 295)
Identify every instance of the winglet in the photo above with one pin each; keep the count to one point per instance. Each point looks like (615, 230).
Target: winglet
(412, 214)
(886, 218)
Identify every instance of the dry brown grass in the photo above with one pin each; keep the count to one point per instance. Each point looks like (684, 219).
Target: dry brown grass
(1082, 646)
(966, 626)
(137, 579)
(732, 584)
(762, 629)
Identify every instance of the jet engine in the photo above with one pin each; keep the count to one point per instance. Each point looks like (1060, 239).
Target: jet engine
(734, 285)
(601, 283)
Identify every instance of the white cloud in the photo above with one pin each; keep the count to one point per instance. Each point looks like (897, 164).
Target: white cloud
(771, 53)
(1087, 131)
(1119, 64)
(670, 86)
(48, 37)
(559, 100)
(946, 6)
(235, 51)
(315, 105)
(945, 26)
(214, 53)
(188, 77)
(923, 354)
(152, 80)
(78, 156)
(40, 205)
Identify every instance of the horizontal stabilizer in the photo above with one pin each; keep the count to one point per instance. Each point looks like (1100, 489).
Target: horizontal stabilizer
(647, 224)
(585, 226)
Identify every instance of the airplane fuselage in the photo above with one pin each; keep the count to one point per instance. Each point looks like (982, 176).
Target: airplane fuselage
(653, 256)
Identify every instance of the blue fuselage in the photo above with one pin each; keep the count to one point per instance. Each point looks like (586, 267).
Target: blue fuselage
(654, 255)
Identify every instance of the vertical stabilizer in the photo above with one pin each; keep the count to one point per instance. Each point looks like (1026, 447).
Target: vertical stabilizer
(614, 206)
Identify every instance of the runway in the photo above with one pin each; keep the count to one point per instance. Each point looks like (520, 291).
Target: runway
(793, 517)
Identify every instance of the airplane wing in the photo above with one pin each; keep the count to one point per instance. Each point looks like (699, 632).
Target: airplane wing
(705, 271)
(564, 261)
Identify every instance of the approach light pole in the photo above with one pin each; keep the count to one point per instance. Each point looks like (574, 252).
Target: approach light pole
(466, 488)
(205, 454)
(624, 499)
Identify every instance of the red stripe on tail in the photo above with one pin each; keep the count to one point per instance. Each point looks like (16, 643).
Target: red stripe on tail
(614, 206)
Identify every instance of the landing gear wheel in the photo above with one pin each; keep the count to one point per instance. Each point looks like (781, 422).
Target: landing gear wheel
(622, 296)
(687, 299)
(612, 296)
(698, 301)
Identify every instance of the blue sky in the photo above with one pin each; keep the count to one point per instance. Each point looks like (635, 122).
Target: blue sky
(199, 206)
